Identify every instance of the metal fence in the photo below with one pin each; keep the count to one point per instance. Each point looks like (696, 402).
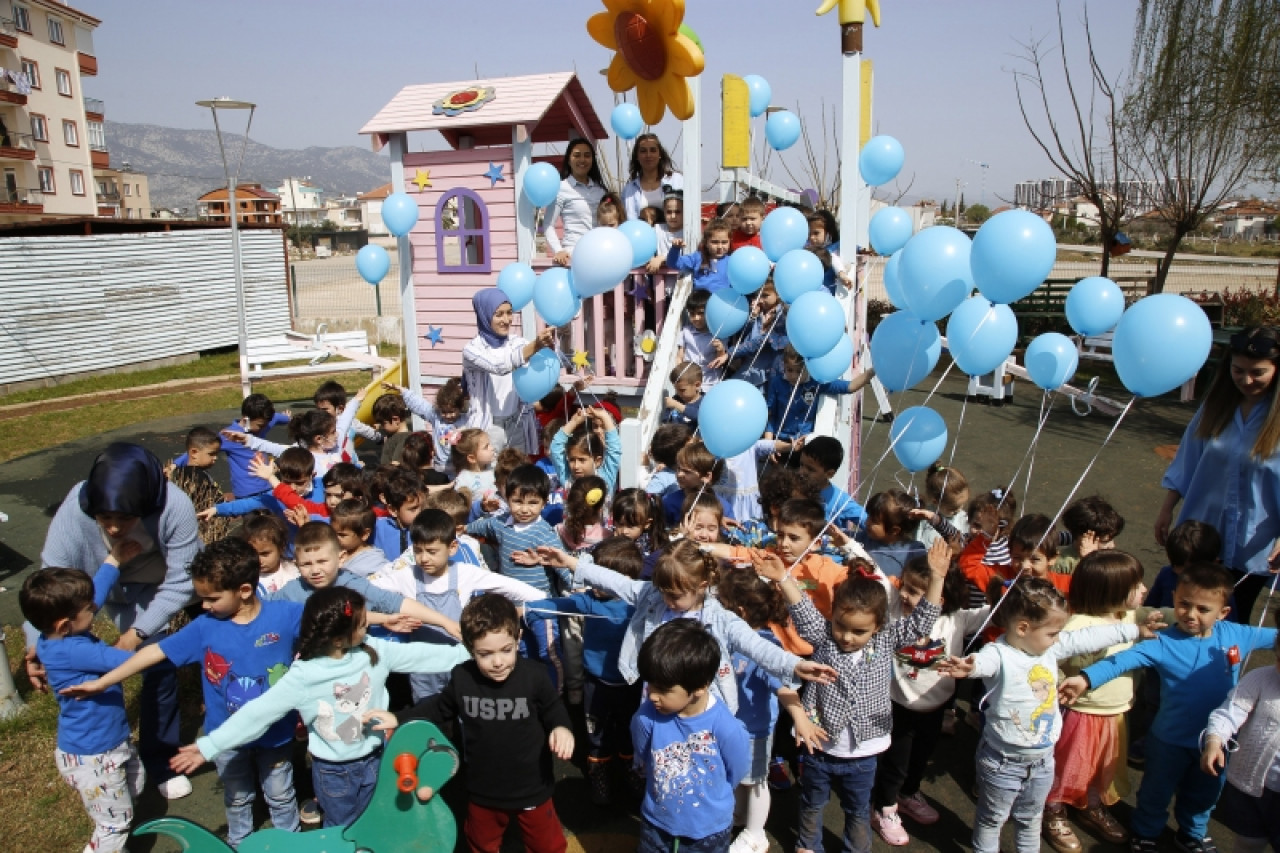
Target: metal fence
(332, 289)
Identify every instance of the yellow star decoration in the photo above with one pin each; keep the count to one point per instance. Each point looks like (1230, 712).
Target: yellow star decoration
(580, 359)
(653, 56)
(422, 178)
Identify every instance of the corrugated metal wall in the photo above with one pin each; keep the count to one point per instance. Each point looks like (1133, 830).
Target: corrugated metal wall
(75, 304)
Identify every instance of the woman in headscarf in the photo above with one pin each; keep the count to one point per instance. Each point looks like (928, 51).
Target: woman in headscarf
(487, 363)
(127, 507)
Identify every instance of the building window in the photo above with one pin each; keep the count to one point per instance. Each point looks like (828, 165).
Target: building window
(21, 19)
(55, 31)
(128, 189)
(467, 238)
(77, 182)
(64, 81)
(46, 180)
(32, 70)
(39, 128)
(70, 134)
(97, 136)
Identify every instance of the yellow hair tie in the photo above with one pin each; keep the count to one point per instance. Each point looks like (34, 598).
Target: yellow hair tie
(594, 497)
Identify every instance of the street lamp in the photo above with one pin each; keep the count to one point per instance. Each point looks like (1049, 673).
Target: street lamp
(213, 106)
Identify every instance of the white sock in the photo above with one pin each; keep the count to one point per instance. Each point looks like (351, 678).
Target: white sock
(757, 807)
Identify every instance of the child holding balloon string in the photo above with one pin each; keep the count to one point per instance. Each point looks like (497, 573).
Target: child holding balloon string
(698, 344)
(708, 265)
(792, 396)
(765, 339)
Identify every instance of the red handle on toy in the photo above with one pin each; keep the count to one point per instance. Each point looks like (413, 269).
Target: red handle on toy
(406, 767)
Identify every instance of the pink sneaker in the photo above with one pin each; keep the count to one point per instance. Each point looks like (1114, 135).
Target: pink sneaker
(918, 809)
(889, 825)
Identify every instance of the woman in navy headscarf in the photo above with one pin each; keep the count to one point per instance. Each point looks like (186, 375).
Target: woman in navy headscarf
(128, 510)
(487, 363)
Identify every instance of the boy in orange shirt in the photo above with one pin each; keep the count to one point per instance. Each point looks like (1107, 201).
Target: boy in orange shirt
(1033, 548)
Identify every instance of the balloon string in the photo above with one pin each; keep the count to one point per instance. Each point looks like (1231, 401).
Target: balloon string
(1044, 416)
(1262, 618)
(946, 473)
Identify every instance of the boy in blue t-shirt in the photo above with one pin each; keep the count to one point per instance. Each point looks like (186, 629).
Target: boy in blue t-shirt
(245, 645)
(822, 456)
(257, 418)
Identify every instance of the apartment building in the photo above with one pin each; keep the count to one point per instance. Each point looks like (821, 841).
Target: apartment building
(254, 205)
(123, 193)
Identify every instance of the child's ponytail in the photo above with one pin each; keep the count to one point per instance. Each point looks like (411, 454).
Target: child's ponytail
(310, 427)
(583, 507)
(638, 508)
(329, 619)
(685, 567)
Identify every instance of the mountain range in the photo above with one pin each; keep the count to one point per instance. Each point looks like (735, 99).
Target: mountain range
(182, 165)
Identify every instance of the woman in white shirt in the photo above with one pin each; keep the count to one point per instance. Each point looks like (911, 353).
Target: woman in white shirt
(575, 206)
(652, 174)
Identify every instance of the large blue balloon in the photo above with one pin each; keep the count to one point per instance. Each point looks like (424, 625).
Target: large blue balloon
(602, 258)
(517, 281)
(981, 335)
(759, 94)
(1051, 360)
(1012, 255)
(783, 230)
(904, 350)
(535, 379)
(748, 269)
(732, 417)
(1160, 343)
(727, 312)
(830, 367)
(554, 297)
(643, 240)
(541, 184)
(934, 271)
(372, 262)
(1094, 305)
(798, 271)
(919, 436)
(893, 280)
(626, 121)
(815, 323)
(782, 129)
(881, 160)
(890, 229)
(399, 213)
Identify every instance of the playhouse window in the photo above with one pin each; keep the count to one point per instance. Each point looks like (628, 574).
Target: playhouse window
(462, 233)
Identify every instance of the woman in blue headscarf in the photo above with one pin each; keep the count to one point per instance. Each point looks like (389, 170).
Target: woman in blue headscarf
(487, 363)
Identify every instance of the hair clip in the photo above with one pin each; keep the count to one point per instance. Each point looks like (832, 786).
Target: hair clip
(863, 572)
(594, 497)
(346, 609)
(998, 494)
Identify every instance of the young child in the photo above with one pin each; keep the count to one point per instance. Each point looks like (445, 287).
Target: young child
(888, 529)
(1094, 525)
(94, 753)
(730, 212)
(709, 265)
(443, 418)
(693, 752)
(739, 485)
(1020, 673)
(317, 431)
(458, 507)
(637, 516)
(682, 408)
(750, 218)
(331, 397)
(244, 645)
(699, 344)
(1189, 542)
(257, 418)
(292, 483)
(1198, 660)
(1033, 546)
(473, 457)
(852, 714)
(404, 496)
(671, 227)
(418, 455)
(697, 468)
(343, 482)
(609, 211)
(512, 723)
(526, 494)
(822, 456)
(194, 479)
(666, 443)
(391, 416)
(824, 239)
(339, 674)
(268, 536)
(792, 396)
(946, 492)
(702, 518)
(583, 527)
(765, 339)
(588, 445)
(991, 514)
(353, 523)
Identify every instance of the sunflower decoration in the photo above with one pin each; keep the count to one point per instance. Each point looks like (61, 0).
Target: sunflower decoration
(463, 101)
(655, 52)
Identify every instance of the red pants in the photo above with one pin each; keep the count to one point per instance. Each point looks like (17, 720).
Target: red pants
(539, 826)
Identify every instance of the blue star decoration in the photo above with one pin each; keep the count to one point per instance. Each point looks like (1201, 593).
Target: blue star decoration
(640, 291)
(494, 174)
(434, 334)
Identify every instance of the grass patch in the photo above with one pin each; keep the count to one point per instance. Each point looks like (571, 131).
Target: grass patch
(218, 363)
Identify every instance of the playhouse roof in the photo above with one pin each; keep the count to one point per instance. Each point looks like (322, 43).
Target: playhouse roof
(555, 106)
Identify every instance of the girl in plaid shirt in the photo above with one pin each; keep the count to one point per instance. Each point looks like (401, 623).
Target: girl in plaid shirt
(851, 717)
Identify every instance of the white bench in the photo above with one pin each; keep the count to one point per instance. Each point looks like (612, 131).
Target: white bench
(1096, 347)
(324, 352)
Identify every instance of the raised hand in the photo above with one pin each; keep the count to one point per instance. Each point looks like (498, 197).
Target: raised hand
(820, 672)
(768, 565)
(237, 437)
(187, 761)
(527, 557)
(956, 667)
(549, 555)
(297, 515)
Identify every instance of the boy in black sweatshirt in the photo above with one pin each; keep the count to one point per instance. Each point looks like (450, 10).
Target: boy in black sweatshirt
(511, 721)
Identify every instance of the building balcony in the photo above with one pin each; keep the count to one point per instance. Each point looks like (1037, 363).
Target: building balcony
(94, 109)
(111, 196)
(20, 200)
(99, 157)
(9, 93)
(17, 146)
(8, 33)
(88, 64)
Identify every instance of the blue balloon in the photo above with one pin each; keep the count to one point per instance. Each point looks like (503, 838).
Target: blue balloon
(759, 93)
(893, 280)
(626, 121)
(890, 229)
(782, 129)
(981, 335)
(1013, 252)
(748, 269)
(1051, 360)
(815, 323)
(784, 229)
(643, 240)
(727, 312)
(732, 417)
(798, 271)
(541, 184)
(919, 436)
(517, 280)
(602, 258)
(934, 271)
(1160, 343)
(830, 367)
(537, 377)
(399, 213)
(881, 160)
(904, 350)
(1094, 305)
(554, 297)
(372, 262)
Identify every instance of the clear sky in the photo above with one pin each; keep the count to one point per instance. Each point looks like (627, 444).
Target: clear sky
(319, 69)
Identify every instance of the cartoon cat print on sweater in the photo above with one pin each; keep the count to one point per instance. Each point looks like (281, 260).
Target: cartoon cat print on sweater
(351, 700)
(240, 690)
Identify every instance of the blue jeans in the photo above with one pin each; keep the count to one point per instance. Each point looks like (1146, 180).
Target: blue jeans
(1173, 773)
(240, 770)
(852, 779)
(1011, 785)
(344, 788)
(655, 840)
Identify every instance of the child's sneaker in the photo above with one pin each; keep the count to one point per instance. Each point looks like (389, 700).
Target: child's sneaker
(779, 775)
(918, 809)
(311, 814)
(1187, 844)
(1143, 845)
(749, 841)
(1058, 832)
(175, 788)
(887, 823)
